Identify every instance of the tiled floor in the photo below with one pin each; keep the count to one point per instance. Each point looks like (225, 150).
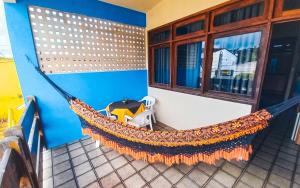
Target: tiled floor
(274, 163)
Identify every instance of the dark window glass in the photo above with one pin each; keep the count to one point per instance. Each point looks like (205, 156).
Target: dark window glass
(239, 14)
(190, 28)
(162, 65)
(160, 36)
(234, 63)
(189, 64)
(291, 4)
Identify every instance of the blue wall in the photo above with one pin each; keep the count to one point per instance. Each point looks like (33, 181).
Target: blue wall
(60, 124)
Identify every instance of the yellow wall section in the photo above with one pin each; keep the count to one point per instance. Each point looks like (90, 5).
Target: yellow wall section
(10, 91)
(169, 10)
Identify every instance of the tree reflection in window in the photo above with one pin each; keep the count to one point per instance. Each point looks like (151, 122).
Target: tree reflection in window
(234, 63)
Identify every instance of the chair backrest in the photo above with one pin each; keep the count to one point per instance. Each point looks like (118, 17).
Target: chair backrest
(149, 101)
(108, 114)
(142, 116)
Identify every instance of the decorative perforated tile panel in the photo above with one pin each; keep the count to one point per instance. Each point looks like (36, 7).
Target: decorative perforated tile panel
(68, 43)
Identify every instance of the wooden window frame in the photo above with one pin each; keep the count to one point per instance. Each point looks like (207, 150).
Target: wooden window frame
(189, 21)
(239, 24)
(258, 71)
(151, 60)
(174, 82)
(262, 23)
(158, 30)
(279, 12)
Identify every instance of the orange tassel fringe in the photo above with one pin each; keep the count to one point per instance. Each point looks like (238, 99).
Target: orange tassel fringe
(239, 153)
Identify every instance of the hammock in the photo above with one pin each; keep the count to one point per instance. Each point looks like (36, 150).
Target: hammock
(228, 140)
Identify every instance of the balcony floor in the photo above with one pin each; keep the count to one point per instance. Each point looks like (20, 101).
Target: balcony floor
(274, 163)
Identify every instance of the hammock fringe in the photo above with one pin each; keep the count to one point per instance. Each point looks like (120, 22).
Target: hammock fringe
(239, 153)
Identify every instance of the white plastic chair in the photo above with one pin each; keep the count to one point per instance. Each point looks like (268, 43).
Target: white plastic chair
(141, 120)
(108, 114)
(149, 104)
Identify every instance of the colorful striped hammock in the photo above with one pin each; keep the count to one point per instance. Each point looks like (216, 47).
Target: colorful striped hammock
(228, 140)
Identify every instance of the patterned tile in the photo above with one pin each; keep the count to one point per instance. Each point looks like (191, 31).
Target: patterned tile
(232, 169)
(295, 185)
(112, 154)
(105, 149)
(76, 152)
(225, 178)
(279, 181)
(161, 182)
(126, 171)
(60, 158)
(69, 184)
(139, 164)
(208, 169)
(95, 153)
(184, 168)
(282, 172)
(86, 179)
(87, 141)
(242, 185)
(134, 181)
(98, 161)
(257, 171)
(252, 180)
(59, 151)
(90, 147)
(94, 185)
(74, 146)
(118, 162)
(61, 167)
(214, 184)
(63, 177)
(186, 182)
(79, 160)
(160, 167)
(110, 180)
(149, 173)
(173, 175)
(199, 177)
(83, 168)
(104, 169)
(297, 178)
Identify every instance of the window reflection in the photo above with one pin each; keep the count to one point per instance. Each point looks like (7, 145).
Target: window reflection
(234, 63)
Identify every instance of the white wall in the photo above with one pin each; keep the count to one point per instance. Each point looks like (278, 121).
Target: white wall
(185, 111)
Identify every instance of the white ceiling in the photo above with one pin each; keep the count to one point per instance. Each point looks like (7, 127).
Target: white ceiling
(139, 5)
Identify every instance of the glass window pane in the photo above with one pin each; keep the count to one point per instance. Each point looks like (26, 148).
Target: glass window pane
(160, 37)
(162, 65)
(234, 63)
(190, 28)
(239, 14)
(189, 64)
(291, 4)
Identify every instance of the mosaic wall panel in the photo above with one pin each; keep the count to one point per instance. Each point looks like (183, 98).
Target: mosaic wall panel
(68, 43)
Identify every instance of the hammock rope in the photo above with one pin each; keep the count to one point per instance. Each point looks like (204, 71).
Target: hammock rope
(229, 140)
